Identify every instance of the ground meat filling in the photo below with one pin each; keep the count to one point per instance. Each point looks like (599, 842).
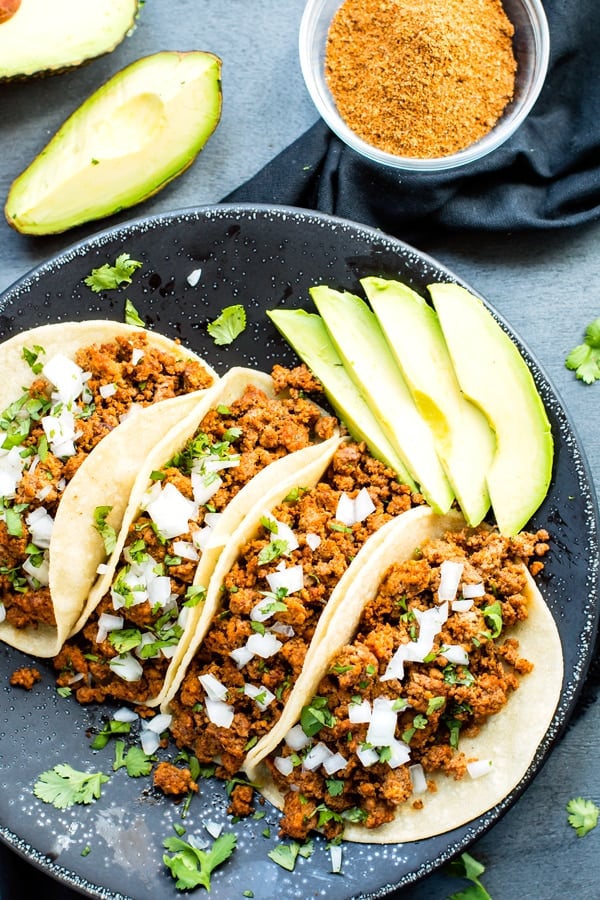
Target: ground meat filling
(374, 716)
(173, 780)
(128, 661)
(53, 435)
(240, 679)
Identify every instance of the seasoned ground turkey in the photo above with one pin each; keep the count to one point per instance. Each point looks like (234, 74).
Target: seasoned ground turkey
(250, 433)
(258, 688)
(141, 374)
(25, 677)
(434, 701)
(173, 781)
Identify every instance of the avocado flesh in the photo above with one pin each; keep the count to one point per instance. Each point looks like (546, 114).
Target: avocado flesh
(48, 36)
(307, 334)
(465, 441)
(369, 362)
(492, 372)
(130, 138)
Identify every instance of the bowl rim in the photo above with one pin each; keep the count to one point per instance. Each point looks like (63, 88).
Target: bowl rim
(500, 133)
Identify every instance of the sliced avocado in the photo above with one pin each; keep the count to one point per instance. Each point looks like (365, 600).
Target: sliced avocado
(465, 441)
(492, 372)
(307, 334)
(136, 133)
(43, 37)
(369, 362)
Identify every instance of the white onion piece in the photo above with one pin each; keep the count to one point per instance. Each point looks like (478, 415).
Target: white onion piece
(450, 575)
(368, 756)
(363, 505)
(335, 853)
(395, 667)
(171, 511)
(40, 523)
(316, 756)
(359, 712)
(296, 739)
(463, 605)
(124, 714)
(186, 550)
(345, 509)
(212, 519)
(169, 651)
(214, 829)
(313, 540)
(41, 573)
(42, 493)
(284, 765)
(215, 690)
(219, 713)
(126, 667)
(479, 767)
(137, 355)
(382, 726)
(456, 654)
(101, 569)
(204, 487)
(285, 533)
(158, 723)
(2, 612)
(282, 628)
(192, 279)
(400, 754)
(241, 656)
(150, 742)
(107, 623)
(60, 433)
(133, 410)
(159, 590)
(261, 695)
(147, 638)
(66, 376)
(291, 578)
(263, 645)
(473, 590)
(335, 763)
(417, 776)
(202, 537)
(11, 469)
(107, 390)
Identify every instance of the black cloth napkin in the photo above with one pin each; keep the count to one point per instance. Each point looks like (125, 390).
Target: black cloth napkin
(546, 176)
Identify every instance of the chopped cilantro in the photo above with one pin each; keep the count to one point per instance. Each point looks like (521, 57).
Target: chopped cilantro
(31, 357)
(584, 359)
(64, 691)
(285, 855)
(106, 531)
(583, 815)
(316, 715)
(493, 616)
(132, 317)
(135, 760)
(191, 867)
(109, 277)
(470, 868)
(63, 786)
(228, 325)
(111, 728)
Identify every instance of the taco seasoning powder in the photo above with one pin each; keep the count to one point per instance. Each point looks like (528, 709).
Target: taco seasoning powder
(420, 78)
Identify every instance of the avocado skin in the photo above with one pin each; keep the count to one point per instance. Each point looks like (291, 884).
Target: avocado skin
(140, 130)
(43, 53)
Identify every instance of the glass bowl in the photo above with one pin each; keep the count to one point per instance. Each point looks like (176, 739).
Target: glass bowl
(531, 46)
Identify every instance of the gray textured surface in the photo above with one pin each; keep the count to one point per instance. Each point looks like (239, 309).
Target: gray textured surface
(545, 285)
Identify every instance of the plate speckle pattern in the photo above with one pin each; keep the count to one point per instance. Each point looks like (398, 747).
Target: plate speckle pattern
(263, 258)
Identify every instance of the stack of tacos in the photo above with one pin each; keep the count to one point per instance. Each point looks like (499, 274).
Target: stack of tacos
(74, 396)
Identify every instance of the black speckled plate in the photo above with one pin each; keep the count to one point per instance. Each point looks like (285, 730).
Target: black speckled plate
(262, 258)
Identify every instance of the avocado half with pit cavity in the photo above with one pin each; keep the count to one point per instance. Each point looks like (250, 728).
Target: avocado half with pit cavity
(128, 140)
(43, 37)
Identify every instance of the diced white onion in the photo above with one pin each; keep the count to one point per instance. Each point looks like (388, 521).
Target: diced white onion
(382, 726)
(291, 578)
(456, 654)
(400, 754)
(2, 612)
(171, 511)
(219, 713)
(284, 765)
(126, 667)
(450, 575)
(212, 519)
(150, 742)
(313, 540)
(285, 533)
(194, 277)
(137, 354)
(40, 523)
(66, 376)
(261, 695)
(158, 723)
(60, 432)
(395, 667)
(11, 469)
(282, 628)
(41, 573)
(214, 829)
(215, 690)
(463, 605)
(263, 645)
(147, 638)
(124, 714)
(296, 739)
(316, 756)
(43, 492)
(204, 487)
(479, 767)
(202, 537)
(186, 550)
(359, 712)
(473, 590)
(107, 390)
(368, 756)
(159, 590)
(345, 509)
(417, 776)
(335, 763)
(335, 852)
(133, 410)
(107, 623)
(349, 511)
(102, 569)
(241, 656)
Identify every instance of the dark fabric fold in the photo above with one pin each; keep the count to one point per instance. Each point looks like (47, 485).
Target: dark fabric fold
(546, 176)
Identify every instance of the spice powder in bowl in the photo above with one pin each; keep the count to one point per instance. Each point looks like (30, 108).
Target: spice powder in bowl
(420, 78)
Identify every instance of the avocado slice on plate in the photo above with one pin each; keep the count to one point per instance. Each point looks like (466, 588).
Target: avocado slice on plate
(465, 441)
(367, 359)
(43, 37)
(128, 140)
(492, 372)
(307, 334)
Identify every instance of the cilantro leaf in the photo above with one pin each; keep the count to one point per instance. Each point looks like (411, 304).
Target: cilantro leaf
(470, 868)
(192, 867)
(285, 855)
(107, 277)
(106, 531)
(228, 325)
(585, 358)
(136, 762)
(64, 786)
(132, 317)
(583, 815)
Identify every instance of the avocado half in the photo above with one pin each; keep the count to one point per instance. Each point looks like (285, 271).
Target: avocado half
(128, 140)
(42, 37)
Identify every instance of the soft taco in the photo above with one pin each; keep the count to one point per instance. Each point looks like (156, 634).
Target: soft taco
(287, 567)
(249, 433)
(425, 700)
(73, 395)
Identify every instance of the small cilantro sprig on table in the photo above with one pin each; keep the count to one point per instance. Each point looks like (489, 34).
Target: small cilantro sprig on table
(583, 815)
(64, 786)
(585, 358)
(466, 866)
(228, 325)
(107, 277)
(192, 867)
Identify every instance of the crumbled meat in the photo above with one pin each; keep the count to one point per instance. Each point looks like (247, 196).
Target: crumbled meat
(173, 780)
(241, 800)
(25, 677)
